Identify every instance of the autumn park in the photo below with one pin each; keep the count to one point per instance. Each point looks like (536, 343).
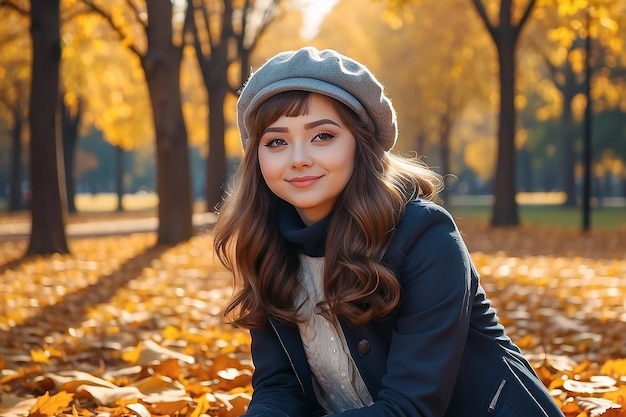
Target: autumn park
(118, 140)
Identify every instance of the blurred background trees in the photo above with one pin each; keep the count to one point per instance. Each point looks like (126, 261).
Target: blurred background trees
(490, 93)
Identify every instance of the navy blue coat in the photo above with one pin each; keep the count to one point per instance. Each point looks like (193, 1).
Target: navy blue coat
(441, 352)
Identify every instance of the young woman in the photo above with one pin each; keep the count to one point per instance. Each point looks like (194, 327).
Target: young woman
(357, 288)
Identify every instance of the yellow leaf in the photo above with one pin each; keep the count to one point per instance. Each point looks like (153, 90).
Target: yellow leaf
(50, 406)
(40, 356)
(84, 412)
(132, 356)
(615, 368)
(618, 396)
(171, 333)
(202, 406)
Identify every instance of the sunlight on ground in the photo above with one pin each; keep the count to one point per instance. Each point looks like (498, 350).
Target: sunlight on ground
(541, 198)
(108, 201)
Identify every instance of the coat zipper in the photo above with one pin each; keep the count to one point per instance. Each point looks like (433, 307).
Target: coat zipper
(494, 400)
(288, 357)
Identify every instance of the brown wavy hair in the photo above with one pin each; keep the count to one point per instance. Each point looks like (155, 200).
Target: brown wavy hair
(358, 286)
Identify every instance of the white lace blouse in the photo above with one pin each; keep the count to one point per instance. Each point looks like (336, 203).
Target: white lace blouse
(337, 381)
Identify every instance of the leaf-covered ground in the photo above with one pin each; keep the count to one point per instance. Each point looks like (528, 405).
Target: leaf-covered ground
(124, 328)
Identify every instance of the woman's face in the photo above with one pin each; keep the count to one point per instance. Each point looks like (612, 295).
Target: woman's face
(307, 160)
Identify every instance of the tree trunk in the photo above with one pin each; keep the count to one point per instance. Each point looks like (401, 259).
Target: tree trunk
(214, 67)
(46, 173)
(161, 64)
(214, 70)
(216, 173)
(505, 211)
(119, 177)
(15, 173)
(566, 134)
(444, 151)
(69, 129)
(505, 35)
(566, 137)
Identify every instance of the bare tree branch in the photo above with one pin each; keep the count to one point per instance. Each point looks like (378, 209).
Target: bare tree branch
(74, 13)
(193, 29)
(485, 18)
(207, 23)
(245, 11)
(268, 16)
(189, 21)
(527, 12)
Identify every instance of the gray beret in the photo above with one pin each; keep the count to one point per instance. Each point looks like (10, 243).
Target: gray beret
(325, 72)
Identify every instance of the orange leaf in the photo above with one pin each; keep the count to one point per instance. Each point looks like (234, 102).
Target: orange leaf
(47, 406)
(613, 412)
(170, 367)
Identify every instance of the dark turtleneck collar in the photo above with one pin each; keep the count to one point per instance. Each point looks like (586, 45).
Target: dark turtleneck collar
(310, 240)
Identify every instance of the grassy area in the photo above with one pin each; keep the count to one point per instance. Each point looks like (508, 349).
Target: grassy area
(550, 215)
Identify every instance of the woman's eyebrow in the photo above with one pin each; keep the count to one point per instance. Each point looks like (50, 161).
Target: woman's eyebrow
(316, 123)
(276, 129)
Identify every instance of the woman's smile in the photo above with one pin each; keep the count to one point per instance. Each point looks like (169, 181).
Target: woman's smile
(303, 182)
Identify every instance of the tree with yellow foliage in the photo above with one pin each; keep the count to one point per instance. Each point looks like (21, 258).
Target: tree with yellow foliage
(103, 87)
(47, 196)
(504, 20)
(558, 38)
(430, 62)
(153, 31)
(440, 74)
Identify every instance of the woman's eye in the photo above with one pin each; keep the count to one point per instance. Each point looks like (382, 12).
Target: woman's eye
(323, 136)
(273, 143)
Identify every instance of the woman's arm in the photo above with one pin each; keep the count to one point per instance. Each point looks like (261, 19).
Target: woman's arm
(277, 390)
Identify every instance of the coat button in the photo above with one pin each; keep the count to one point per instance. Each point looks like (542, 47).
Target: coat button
(363, 347)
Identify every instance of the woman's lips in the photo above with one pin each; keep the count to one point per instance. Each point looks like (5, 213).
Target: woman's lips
(302, 182)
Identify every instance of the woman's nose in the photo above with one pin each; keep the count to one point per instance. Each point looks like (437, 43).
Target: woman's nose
(300, 156)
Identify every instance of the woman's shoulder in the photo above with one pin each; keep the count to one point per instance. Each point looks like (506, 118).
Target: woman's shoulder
(423, 212)
(423, 223)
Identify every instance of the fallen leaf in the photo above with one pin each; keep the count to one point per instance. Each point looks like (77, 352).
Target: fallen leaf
(139, 409)
(47, 406)
(596, 385)
(40, 356)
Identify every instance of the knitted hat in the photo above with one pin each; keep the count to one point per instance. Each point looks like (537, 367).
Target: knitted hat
(325, 72)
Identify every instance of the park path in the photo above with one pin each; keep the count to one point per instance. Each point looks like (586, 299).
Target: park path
(19, 227)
